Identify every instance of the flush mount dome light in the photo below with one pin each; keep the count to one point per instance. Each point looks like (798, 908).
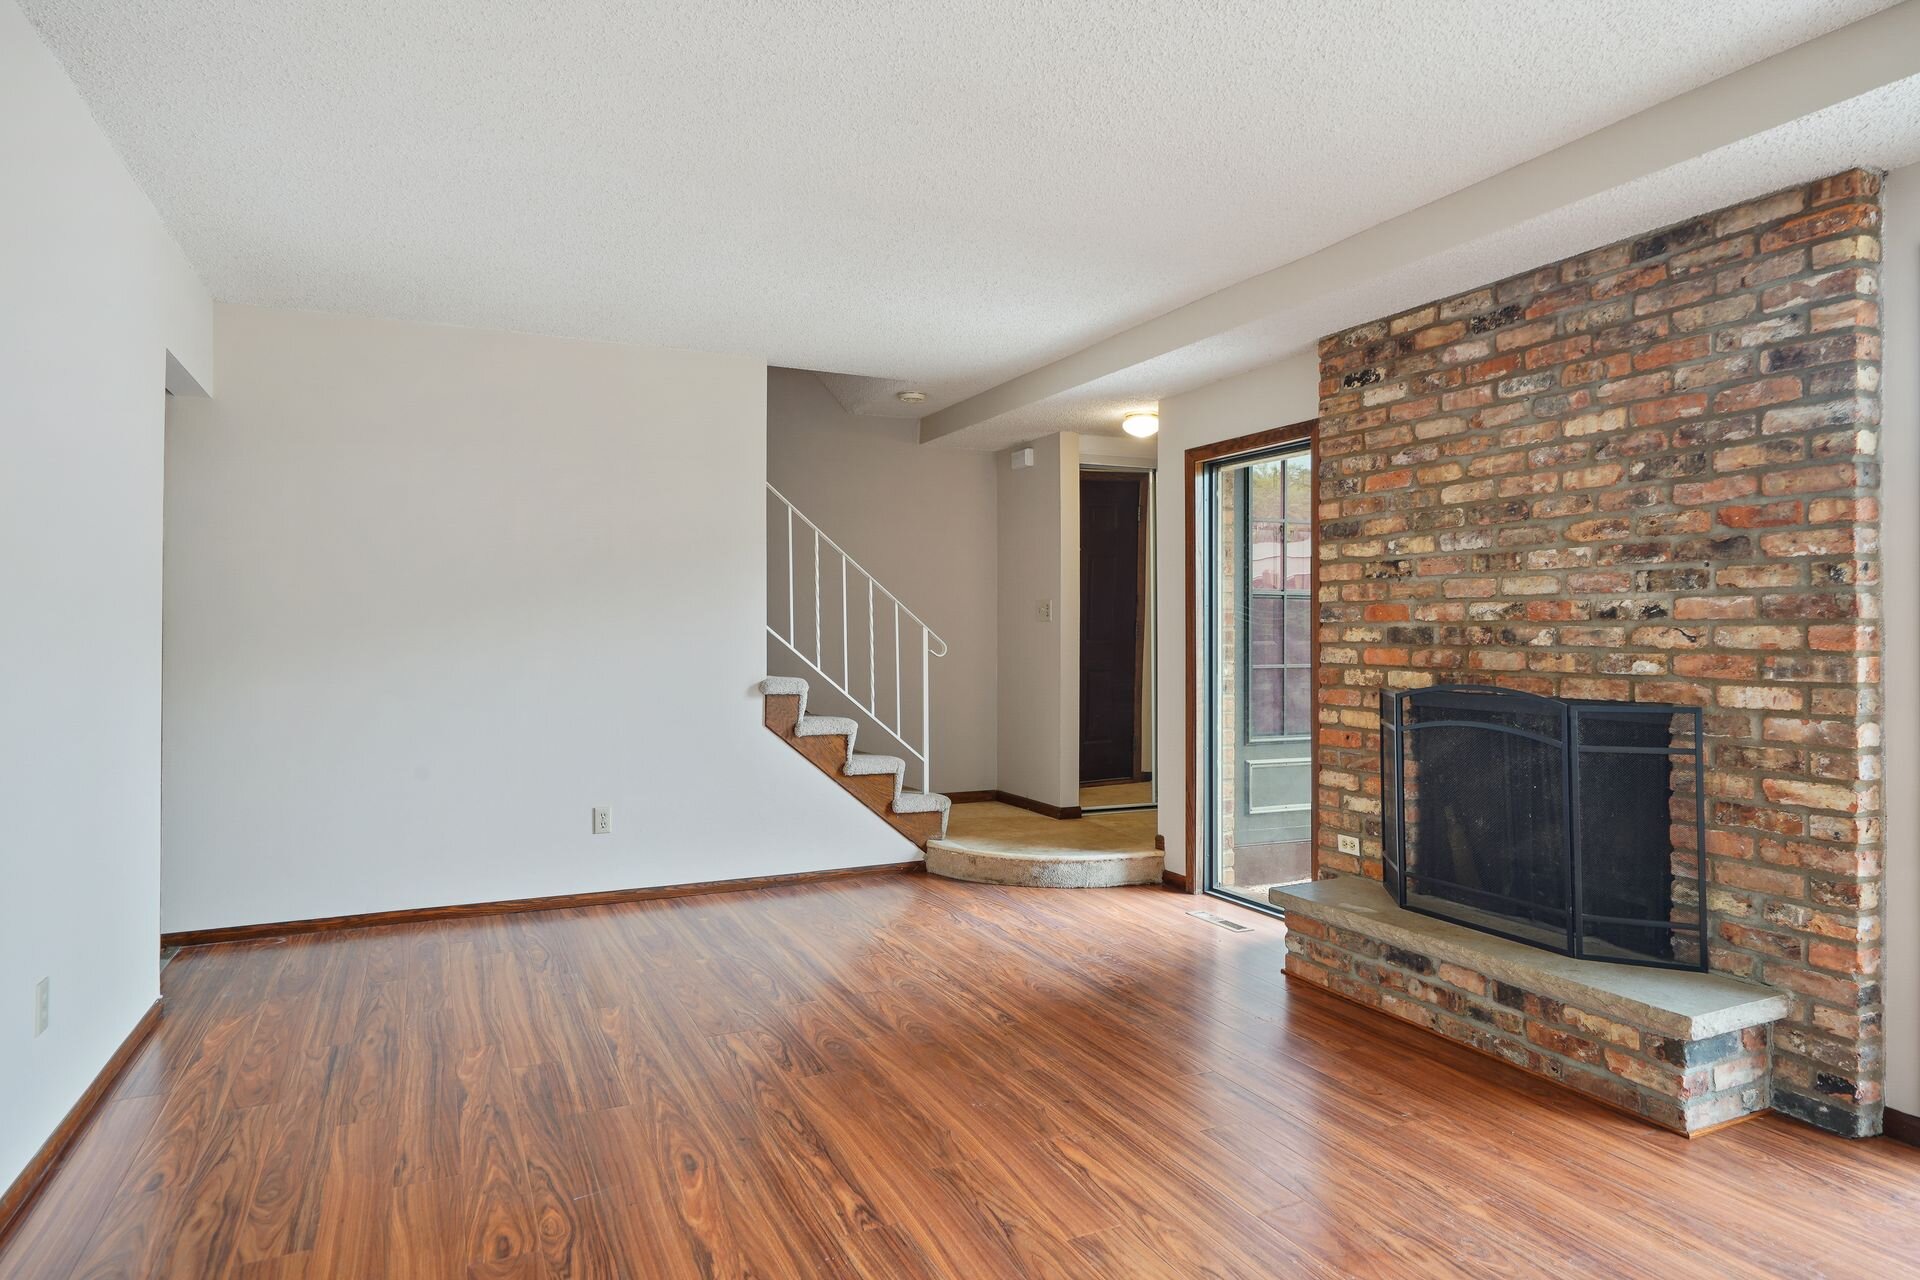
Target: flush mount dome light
(1141, 425)
(910, 397)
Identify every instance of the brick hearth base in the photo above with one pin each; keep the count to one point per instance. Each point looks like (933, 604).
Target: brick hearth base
(1687, 1051)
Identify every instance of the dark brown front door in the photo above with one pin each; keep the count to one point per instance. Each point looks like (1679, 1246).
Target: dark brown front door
(1112, 545)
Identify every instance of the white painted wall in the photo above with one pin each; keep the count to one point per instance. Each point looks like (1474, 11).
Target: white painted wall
(1118, 451)
(923, 521)
(1900, 570)
(1039, 730)
(1275, 395)
(434, 593)
(93, 296)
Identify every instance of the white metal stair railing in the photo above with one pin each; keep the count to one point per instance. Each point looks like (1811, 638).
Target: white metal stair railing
(882, 607)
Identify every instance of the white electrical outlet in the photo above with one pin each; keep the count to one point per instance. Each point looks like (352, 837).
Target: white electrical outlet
(1046, 611)
(42, 1004)
(602, 822)
(1350, 844)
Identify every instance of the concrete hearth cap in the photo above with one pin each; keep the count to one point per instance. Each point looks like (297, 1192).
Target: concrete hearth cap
(1684, 1005)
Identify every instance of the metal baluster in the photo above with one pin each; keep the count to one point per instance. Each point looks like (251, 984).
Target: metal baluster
(926, 710)
(844, 682)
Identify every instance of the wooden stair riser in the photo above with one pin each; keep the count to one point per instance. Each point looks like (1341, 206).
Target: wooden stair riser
(917, 827)
(783, 713)
(828, 752)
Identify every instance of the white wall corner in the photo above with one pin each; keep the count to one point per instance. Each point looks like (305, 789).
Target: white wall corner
(1900, 601)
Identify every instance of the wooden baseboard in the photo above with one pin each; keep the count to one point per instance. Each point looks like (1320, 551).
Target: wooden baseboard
(513, 906)
(1901, 1127)
(1175, 881)
(1691, 1134)
(18, 1197)
(1018, 802)
(1038, 806)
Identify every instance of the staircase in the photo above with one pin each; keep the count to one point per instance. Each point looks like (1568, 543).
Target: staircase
(861, 641)
(876, 781)
(858, 639)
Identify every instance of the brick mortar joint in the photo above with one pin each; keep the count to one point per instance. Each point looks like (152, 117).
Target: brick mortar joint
(1567, 1066)
(1806, 249)
(1527, 1016)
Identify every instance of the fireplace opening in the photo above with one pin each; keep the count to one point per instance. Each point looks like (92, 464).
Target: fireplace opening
(1566, 824)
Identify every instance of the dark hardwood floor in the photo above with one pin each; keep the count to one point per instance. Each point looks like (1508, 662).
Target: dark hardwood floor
(893, 1077)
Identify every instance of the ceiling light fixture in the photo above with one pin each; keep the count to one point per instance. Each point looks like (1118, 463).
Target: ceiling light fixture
(910, 397)
(1140, 425)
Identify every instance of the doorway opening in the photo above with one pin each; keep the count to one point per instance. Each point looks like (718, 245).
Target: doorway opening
(1256, 602)
(1116, 640)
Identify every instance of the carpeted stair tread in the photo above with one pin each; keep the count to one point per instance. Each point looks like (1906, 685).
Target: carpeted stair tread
(864, 763)
(925, 802)
(824, 726)
(787, 687)
(921, 802)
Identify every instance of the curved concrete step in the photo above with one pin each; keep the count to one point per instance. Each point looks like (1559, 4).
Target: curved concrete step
(1045, 868)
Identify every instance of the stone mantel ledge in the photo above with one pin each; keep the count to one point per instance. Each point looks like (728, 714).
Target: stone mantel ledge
(1685, 1005)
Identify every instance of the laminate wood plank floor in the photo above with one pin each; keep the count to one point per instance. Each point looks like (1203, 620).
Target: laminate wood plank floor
(895, 1076)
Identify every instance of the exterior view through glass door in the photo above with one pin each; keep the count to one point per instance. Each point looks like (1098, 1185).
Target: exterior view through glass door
(1257, 564)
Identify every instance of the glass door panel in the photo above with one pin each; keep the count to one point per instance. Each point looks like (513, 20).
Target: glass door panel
(1258, 569)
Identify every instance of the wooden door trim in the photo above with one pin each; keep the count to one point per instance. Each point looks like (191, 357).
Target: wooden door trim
(1141, 553)
(1197, 459)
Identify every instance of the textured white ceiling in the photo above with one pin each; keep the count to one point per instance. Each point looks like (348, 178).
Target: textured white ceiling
(940, 195)
(1877, 130)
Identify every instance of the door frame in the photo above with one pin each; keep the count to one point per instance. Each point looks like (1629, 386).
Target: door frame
(1143, 554)
(1197, 460)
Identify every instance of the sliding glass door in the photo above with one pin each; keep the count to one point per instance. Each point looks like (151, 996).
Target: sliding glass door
(1257, 566)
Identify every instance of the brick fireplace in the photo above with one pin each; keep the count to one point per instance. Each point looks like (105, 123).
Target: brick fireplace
(1646, 473)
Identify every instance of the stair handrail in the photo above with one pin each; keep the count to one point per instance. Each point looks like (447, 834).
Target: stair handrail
(931, 645)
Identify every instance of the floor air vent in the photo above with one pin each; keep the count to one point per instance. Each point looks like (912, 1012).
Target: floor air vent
(1222, 921)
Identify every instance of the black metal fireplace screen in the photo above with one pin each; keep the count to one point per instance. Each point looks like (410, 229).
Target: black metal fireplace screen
(1576, 826)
